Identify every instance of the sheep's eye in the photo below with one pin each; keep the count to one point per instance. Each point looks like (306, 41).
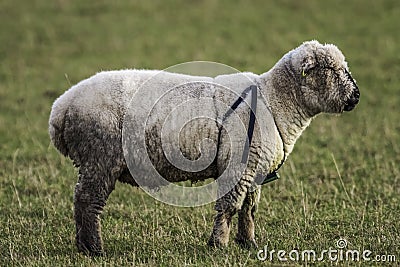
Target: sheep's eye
(304, 73)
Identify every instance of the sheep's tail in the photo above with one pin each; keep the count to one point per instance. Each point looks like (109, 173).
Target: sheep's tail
(57, 125)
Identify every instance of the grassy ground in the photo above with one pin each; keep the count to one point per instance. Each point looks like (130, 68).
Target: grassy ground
(342, 180)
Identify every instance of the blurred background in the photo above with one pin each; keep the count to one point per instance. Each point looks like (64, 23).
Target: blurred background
(47, 46)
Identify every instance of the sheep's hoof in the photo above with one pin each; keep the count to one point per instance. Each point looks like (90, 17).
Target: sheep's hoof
(215, 243)
(247, 243)
(95, 253)
(90, 252)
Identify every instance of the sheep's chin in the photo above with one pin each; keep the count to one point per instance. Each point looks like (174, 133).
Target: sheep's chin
(351, 104)
(349, 107)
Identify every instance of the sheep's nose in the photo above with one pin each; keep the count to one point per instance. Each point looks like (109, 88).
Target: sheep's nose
(353, 100)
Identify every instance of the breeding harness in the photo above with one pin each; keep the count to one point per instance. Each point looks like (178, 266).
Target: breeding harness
(272, 176)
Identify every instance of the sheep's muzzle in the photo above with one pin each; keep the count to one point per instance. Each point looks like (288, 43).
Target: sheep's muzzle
(355, 96)
(353, 100)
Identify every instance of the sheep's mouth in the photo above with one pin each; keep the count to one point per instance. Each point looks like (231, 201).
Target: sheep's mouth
(352, 101)
(355, 96)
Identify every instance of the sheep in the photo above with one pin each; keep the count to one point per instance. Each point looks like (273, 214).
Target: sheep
(96, 125)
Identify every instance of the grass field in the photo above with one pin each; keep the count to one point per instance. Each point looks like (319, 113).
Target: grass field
(341, 181)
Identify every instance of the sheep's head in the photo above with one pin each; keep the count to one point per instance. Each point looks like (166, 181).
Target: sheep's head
(326, 82)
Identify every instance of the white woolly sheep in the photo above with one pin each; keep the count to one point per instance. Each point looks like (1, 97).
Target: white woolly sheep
(86, 124)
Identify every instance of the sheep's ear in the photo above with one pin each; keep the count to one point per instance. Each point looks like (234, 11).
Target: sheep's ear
(307, 64)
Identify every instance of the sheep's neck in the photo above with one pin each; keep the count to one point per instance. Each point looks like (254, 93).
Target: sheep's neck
(289, 118)
(291, 123)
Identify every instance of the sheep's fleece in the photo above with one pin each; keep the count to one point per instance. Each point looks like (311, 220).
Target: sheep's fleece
(105, 120)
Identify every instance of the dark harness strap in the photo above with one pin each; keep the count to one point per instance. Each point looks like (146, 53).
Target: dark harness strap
(252, 121)
(250, 130)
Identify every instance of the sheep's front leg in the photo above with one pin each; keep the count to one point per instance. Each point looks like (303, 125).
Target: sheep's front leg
(91, 193)
(226, 208)
(222, 225)
(245, 236)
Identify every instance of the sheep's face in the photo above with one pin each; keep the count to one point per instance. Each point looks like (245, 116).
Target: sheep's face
(326, 82)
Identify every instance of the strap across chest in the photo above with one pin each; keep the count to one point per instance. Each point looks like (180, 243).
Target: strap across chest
(250, 130)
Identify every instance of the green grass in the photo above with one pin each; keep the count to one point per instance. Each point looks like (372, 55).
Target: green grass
(341, 181)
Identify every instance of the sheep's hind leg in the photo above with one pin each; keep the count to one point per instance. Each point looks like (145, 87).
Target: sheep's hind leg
(91, 193)
(226, 208)
(245, 236)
